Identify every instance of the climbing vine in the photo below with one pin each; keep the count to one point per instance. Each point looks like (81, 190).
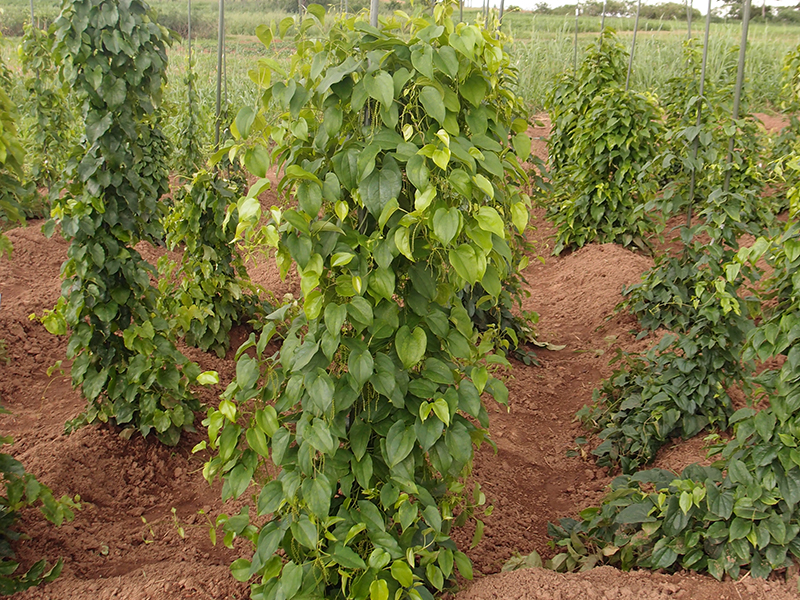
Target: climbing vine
(400, 147)
(114, 55)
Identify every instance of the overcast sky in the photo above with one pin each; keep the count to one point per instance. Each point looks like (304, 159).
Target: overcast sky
(698, 4)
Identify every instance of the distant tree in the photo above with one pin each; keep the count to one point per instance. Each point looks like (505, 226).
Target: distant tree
(542, 8)
(669, 11)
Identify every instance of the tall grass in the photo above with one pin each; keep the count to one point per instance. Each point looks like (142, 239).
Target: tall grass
(541, 58)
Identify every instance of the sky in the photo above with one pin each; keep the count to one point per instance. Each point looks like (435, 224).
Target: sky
(698, 4)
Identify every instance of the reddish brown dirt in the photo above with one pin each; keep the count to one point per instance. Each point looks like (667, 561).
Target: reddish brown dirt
(125, 542)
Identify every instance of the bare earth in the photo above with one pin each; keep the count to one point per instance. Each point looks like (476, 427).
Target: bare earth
(126, 543)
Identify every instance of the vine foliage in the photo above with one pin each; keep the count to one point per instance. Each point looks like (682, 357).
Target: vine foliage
(114, 56)
(401, 147)
(599, 159)
(209, 297)
(53, 131)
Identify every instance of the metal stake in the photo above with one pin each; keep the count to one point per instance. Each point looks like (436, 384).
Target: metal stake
(575, 48)
(220, 50)
(373, 13)
(696, 142)
(603, 18)
(737, 94)
(189, 49)
(689, 8)
(633, 44)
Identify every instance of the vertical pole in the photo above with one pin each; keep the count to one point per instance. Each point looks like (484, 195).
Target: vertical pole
(603, 18)
(737, 94)
(696, 142)
(373, 13)
(575, 44)
(500, 18)
(189, 51)
(31, 13)
(689, 9)
(220, 50)
(633, 45)
(461, 11)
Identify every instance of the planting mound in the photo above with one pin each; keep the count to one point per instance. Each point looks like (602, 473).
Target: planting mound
(128, 543)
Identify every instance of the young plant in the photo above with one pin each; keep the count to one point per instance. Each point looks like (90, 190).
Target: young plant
(208, 299)
(604, 138)
(123, 357)
(11, 161)
(743, 512)
(52, 134)
(400, 146)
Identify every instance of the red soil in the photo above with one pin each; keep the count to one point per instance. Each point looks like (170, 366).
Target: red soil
(125, 542)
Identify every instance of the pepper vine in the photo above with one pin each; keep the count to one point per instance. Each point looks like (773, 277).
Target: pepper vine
(401, 146)
(114, 55)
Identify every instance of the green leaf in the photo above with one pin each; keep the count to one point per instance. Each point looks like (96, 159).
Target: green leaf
(305, 532)
(247, 372)
(402, 574)
(739, 528)
(399, 443)
(291, 578)
(433, 103)
(464, 565)
(208, 378)
(382, 282)
(490, 220)
(378, 590)
(270, 498)
(347, 557)
(522, 146)
(446, 224)
(320, 438)
(257, 161)
(240, 569)
(360, 365)
(465, 261)
(380, 86)
(318, 492)
(244, 121)
(474, 89)
(334, 316)
(410, 345)
(417, 172)
(345, 166)
(381, 186)
(422, 59)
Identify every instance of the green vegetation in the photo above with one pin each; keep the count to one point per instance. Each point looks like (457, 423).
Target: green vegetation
(357, 407)
(123, 355)
(402, 154)
(602, 145)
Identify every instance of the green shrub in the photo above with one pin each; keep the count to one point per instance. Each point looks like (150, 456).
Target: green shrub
(123, 356)
(401, 146)
(603, 140)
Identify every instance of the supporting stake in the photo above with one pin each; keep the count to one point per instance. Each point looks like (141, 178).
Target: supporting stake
(31, 13)
(373, 13)
(737, 93)
(696, 142)
(220, 51)
(189, 53)
(575, 45)
(633, 45)
(603, 18)
(689, 9)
